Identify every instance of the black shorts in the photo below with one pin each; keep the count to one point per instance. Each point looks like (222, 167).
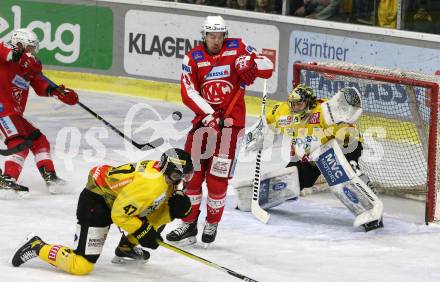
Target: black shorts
(92, 214)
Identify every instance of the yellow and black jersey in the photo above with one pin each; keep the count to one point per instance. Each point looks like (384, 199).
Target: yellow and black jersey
(132, 191)
(309, 132)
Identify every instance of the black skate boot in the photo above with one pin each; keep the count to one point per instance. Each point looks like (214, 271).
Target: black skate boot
(209, 233)
(55, 184)
(29, 249)
(9, 189)
(126, 252)
(373, 225)
(184, 235)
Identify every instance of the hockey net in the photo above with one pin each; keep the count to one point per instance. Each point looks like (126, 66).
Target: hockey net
(399, 124)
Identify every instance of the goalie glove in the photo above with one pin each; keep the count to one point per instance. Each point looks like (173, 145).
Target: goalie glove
(147, 236)
(344, 107)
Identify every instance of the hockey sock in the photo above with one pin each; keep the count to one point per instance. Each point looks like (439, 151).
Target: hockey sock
(64, 258)
(14, 163)
(41, 150)
(215, 207)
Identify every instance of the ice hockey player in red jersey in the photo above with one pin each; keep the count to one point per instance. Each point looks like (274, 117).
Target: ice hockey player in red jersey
(212, 74)
(20, 69)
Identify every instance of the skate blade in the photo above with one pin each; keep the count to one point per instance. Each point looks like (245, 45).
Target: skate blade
(28, 237)
(123, 260)
(10, 194)
(185, 242)
(206, 245)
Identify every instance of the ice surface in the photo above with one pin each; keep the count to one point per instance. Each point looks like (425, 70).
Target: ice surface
(307, 240)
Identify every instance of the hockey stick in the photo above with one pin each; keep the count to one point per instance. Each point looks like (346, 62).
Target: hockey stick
(27, 143)
(257, 211)
(20, 147)
(206, 262)
(147, 146)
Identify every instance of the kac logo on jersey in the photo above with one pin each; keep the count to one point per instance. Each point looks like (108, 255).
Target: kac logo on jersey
(214, 91)
(232, 44)
(198, 55)
(20, 82)
(219, 72)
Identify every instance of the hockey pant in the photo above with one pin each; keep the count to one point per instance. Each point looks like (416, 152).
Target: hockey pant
(13, 130)
(94, 220)
(308, 173)
(214, 156)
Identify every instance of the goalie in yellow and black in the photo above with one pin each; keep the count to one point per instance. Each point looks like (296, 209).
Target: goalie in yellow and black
(324, 140)
(140, 198)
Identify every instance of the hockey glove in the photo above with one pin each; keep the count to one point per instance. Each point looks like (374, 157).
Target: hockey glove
(213, 121)
(180, 205)
(29, 66)
(246, 69)
(65, 95)
(147, 236)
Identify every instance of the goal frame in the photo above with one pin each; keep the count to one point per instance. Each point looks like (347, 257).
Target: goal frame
(431, 205)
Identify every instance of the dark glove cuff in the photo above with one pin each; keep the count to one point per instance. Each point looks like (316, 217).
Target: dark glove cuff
(16, 55)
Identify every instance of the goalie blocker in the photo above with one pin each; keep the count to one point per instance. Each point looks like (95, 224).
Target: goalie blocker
(348, 186)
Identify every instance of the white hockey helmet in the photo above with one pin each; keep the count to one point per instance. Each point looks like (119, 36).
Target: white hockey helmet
(26, 37)
(214, 24)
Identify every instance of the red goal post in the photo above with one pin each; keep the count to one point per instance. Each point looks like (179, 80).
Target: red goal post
(400, 124)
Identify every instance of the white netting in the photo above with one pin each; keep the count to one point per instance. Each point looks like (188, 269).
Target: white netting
(395, 123)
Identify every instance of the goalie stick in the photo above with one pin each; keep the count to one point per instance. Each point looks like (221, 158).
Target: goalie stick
(257, 211)
(147, 146)
(206, 262)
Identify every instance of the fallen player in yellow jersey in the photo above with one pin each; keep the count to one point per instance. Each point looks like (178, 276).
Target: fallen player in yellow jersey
(139, 198)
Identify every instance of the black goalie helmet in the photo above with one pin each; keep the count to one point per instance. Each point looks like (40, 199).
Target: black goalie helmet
(177, 165)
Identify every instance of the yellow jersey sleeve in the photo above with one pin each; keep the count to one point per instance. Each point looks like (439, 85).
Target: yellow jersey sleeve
(279, 118)
(144, 197)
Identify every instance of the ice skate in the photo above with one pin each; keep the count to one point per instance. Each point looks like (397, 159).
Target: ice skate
(9, 189)
(184, 235)
(209, 233)
(55, 184)
(376, 224)
(126, 252)
(27, 250)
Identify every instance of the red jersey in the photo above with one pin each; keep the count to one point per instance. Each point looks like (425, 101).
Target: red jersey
(14, 88)
(209, 82)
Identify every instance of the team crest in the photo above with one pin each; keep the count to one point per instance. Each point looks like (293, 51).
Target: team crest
(214, 91)
(314, 119)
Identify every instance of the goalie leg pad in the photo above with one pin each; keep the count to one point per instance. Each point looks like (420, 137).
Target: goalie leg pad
(356, 195)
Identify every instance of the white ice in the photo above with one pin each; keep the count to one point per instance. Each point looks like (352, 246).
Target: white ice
(307, 240)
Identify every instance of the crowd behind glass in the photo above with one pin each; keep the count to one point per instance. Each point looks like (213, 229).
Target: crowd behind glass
(413, 15)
